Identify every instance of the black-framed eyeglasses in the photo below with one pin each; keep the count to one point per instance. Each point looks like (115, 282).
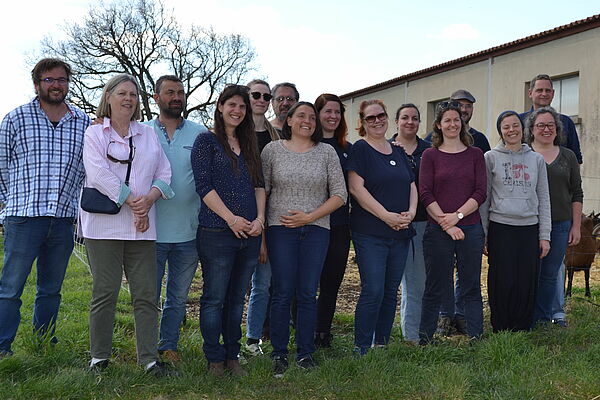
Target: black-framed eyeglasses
(370, 119)
(265, 96)
(448, 104)
(50, 81)
(114, 159)
(542, 126)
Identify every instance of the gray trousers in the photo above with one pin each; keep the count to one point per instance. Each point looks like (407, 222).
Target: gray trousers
(108, 259)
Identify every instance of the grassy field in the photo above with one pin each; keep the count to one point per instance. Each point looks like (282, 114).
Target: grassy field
(549, 363)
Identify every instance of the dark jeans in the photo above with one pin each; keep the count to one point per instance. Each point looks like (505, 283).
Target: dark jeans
(227, 265)
(297, 256)
(381, 264)
(452, 300)
(50, 241)
(332, 275)
(514, 260)
(440, 251)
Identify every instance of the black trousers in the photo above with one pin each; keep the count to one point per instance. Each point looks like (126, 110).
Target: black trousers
(514, 263)
(332, 276)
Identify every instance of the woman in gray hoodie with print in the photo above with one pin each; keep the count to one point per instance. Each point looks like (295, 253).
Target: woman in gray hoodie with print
(517, 222)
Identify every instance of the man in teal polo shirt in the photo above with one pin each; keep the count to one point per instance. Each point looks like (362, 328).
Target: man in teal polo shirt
(176, 219)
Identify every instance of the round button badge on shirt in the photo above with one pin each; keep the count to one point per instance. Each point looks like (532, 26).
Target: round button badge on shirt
(393, 162)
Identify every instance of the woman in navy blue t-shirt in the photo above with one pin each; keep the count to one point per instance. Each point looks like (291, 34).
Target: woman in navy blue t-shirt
(384, 202)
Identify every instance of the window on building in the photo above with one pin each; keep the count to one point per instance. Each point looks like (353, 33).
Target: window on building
(566, 95)
(431, 107)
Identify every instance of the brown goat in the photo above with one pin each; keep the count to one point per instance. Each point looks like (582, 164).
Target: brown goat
(581, 256)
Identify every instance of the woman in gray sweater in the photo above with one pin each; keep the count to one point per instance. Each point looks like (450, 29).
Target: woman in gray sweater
(304, 184)
(516, 218)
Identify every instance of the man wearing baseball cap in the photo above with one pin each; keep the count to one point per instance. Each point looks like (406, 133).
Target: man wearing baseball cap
(466, 101)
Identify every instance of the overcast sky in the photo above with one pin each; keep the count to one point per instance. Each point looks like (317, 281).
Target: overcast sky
(322, 46)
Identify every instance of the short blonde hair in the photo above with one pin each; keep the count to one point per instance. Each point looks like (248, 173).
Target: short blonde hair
(103, 109)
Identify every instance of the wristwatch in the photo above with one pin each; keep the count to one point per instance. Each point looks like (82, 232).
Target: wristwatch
(460, 215)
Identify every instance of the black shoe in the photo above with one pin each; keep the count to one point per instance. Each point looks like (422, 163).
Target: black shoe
(307, 363)
(460, 323)
(99, 367)
(161, 370)
(323, 340)
(280, 365)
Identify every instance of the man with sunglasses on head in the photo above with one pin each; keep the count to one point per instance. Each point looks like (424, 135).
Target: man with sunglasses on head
(452, 309)
(541, 93)
(41, 173)
(176, 219)
(285, 95)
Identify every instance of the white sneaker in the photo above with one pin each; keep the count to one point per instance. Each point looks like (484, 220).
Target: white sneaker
(254, 349)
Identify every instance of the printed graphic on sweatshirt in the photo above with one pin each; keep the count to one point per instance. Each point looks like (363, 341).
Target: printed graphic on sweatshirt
(516, 175)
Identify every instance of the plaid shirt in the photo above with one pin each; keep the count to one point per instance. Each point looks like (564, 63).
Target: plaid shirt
(41, 167)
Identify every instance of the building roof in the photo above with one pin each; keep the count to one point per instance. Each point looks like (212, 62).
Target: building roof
(520, 44)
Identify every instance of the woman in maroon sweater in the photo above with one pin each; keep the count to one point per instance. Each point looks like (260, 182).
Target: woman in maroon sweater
(452, 187)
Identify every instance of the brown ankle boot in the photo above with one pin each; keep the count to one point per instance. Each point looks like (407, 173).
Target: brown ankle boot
(216, 369)
(235, 368)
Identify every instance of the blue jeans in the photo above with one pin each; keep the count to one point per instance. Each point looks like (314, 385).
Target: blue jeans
(297, 256)
(182, 259)
(259, 300)
(48, 239)
(440, 252)
(381, 266)
(413, 285)
(558, 306)
(227, 265)
(549, 268)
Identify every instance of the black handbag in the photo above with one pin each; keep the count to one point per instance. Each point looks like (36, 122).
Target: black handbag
(93, 201)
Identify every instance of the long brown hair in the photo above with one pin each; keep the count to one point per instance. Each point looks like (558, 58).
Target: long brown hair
(437, 138)
(244, 133)
(341, 132)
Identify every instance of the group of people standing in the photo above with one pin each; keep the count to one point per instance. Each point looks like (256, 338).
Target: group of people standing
(266, 204)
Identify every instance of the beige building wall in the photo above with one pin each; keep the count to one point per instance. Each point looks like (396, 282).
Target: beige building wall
(499, 83)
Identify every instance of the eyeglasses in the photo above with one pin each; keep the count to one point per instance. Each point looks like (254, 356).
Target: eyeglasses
(448, 104)
(265, 96)
(282, 98)
(541, 126)
(113, 159)
(370, 119)
(61, 81)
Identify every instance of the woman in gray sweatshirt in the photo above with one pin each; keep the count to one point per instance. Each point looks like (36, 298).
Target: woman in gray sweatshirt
(516, 219)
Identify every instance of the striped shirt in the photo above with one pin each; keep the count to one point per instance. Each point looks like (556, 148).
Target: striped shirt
(41, 169)
(150, 168)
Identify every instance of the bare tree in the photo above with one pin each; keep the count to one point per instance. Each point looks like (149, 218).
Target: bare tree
(142, 38)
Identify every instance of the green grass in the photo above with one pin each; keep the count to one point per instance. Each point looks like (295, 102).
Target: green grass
(549, 363)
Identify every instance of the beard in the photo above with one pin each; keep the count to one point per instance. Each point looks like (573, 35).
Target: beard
(45, 97)
(465, 117)
(172, 110)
